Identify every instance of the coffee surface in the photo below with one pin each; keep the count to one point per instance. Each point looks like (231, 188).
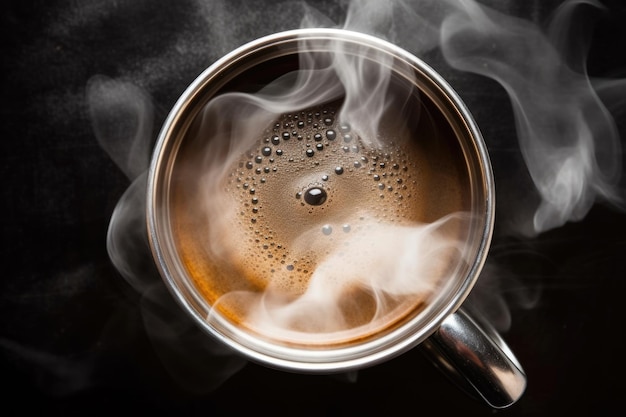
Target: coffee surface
(311, 219)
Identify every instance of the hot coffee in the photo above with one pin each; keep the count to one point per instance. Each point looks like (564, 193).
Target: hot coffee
(321, 201)
(315, 235)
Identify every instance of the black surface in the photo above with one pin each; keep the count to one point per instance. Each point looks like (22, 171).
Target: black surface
(75, 337)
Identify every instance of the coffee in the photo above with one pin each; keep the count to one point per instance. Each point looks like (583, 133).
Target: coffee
(322, 213)
(310, 199)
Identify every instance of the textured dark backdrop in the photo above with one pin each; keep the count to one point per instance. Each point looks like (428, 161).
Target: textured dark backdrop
(73, 337)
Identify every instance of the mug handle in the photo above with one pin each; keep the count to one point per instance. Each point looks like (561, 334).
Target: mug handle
(477, 359)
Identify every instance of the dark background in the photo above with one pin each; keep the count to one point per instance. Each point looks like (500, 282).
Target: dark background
(75, 337)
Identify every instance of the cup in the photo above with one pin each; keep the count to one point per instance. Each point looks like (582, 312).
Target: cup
(451, 176)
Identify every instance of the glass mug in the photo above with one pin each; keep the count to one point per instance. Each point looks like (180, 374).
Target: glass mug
(423, 103)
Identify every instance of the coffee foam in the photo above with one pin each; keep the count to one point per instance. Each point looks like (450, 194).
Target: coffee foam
(284, 236)
(284, 259)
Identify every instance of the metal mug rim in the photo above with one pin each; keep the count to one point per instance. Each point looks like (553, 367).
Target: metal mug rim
(344, 358)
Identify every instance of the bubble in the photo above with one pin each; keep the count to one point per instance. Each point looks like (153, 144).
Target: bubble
(279, 152)
(347, 137)
(315, 196)
(331, 134)
(286, 135)
(376, 177)
(344, 127)
(357, 164)
(275, 140)
(328, 121)
(327, 229)
(289, 267)
(317, 137)
(266, 151)
(249, 165)
(319, 146)
(324, 177)
(310, 152)
(346, 228)
(258, 159)
(255, 200)
(300, 123)
(338, 170)
(299, 195)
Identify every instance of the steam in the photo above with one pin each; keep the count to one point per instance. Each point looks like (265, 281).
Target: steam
(567, 138)
(122, 116)
(318, 81)
(377, 269)
(400, 264)
(566, 134)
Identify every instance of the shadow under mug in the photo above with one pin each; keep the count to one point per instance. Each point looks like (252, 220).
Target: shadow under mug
(469, 351)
